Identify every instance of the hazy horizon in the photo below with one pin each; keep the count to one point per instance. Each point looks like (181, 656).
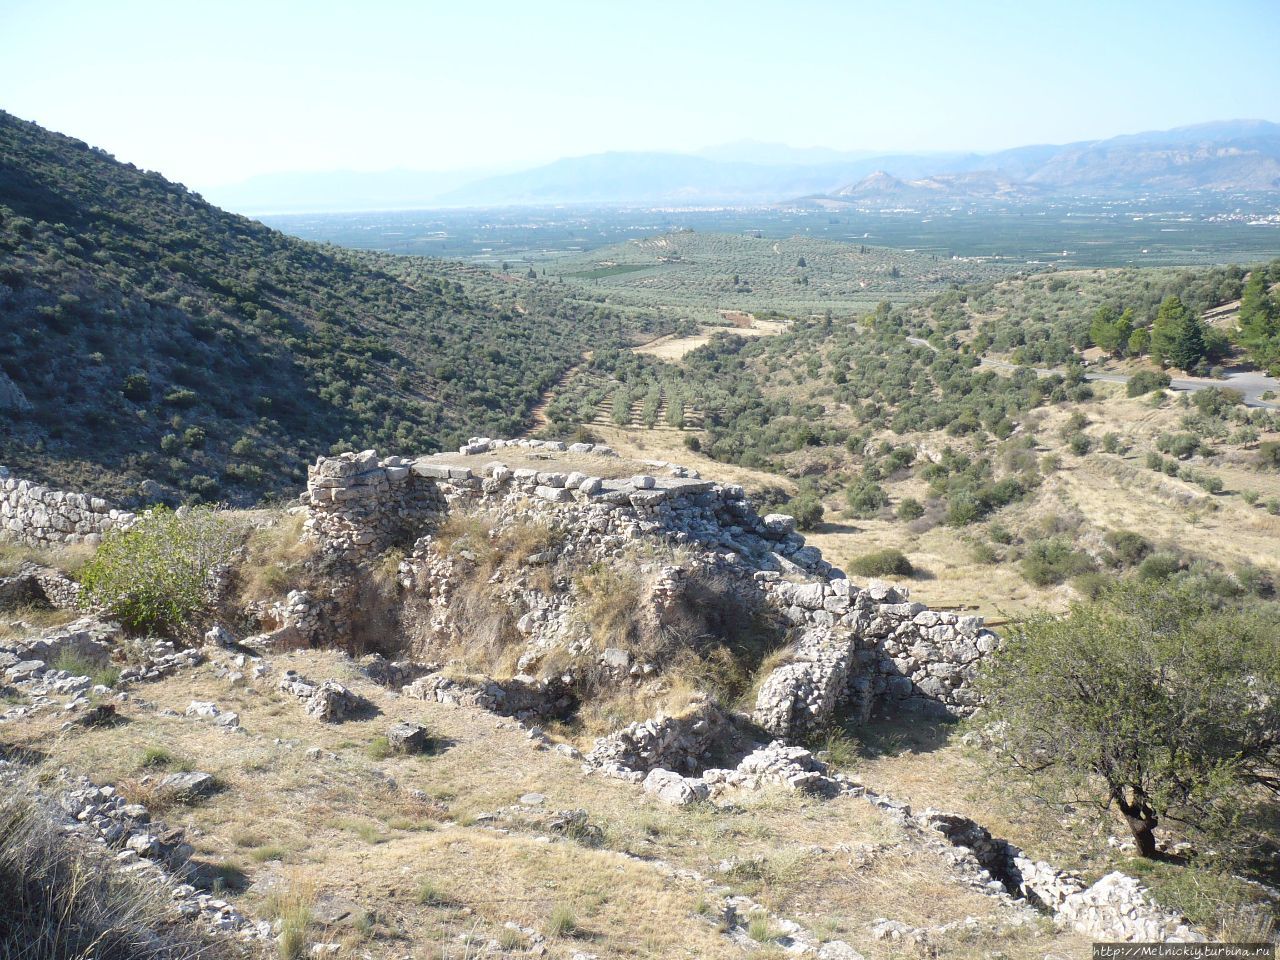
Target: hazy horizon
(215, 96)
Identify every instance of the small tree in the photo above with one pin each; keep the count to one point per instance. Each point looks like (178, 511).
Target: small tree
(155, 575)
(1151, 701)
(1177, 336)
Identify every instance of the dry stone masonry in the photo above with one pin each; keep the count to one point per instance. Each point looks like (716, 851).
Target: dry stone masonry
(40, 517)
(855, 647)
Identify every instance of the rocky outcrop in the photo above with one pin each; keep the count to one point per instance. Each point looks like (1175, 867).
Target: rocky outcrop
(41, 517)
(134, 845)
(1116, 908)
(327, 701)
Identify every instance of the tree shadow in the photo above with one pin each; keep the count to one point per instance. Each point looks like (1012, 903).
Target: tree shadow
(904, 734)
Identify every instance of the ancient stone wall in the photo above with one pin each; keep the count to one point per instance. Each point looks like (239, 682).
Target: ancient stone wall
(855, 646)
(40, 517)
(358, 505)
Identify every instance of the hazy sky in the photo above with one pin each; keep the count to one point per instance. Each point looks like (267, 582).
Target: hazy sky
(210, 93)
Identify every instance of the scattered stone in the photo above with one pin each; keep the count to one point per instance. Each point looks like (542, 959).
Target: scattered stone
(672, 788)
(408, 738)
(188, 786)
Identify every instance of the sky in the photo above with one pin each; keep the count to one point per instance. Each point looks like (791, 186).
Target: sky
(212, 93)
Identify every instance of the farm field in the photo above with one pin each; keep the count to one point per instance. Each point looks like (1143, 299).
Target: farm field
(1155, 231)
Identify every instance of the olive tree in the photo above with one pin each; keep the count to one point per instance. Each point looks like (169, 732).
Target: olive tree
(1152, 701)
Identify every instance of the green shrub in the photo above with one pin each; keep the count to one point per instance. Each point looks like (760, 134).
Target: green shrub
(865, 498)
(182, 398)
(807, 509)
(882, 563)
(910, 509)
(1269, 454)
(1079, 444)
(136, 387)
(999, 533)
(984, 554)
(154, 576)
(1144, 381)
(1054, 560)
(1180, 445)
(1128, 546)
(1159, 566)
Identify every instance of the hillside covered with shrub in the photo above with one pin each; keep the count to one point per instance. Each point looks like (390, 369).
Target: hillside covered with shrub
(147, 335)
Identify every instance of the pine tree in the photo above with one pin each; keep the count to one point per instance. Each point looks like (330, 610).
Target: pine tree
(1177, 336)
(1260, 321)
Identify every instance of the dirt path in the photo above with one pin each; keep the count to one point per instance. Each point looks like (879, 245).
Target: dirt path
(538, 415)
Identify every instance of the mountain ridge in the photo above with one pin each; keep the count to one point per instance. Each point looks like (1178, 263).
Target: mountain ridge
(1218, 156)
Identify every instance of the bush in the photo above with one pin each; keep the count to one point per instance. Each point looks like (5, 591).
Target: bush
(910, 509)
(1159, 566)
(137, 387)
(182, 398)
(1054, 561)
(807, 509)
(1144, 381)
(883, 563)
(1128, 546)
(1269, 454)
(1079, 444)
(155, 575)
(865, 498)
(984, 554)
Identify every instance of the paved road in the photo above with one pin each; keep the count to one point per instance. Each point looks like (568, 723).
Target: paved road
(1250, 383)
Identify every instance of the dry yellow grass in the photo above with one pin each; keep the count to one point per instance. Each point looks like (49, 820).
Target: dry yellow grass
(370, 832)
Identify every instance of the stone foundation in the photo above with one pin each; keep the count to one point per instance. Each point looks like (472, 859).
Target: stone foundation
(856, 647)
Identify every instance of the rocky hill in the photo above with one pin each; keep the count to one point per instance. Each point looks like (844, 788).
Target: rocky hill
(149, 336)
(594, 725)
(1236, 156)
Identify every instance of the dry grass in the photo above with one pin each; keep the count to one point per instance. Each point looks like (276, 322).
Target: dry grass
(841, 861)
(69, 558)
(611, 599)
(274, 559)
(39, 616)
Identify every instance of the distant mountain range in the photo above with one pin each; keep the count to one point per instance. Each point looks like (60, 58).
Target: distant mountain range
(1226, 156)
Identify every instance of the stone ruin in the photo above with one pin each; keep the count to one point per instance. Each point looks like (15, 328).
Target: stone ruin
(40, 517)
(853, 646)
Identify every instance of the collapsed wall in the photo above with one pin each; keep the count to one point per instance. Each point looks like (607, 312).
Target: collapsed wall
(854, 646)
(40, 517)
